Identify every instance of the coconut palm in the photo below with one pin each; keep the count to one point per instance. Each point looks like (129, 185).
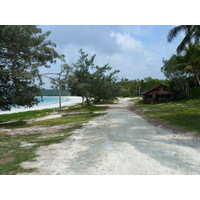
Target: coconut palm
(192, 34)
(192, 56)
(188, 63)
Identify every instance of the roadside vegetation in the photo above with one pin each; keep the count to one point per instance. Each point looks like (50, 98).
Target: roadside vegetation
(25, 115)
(22, 116)
(185, 114)
(18, 148)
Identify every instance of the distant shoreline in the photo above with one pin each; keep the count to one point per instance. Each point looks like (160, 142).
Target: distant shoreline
(71, 100)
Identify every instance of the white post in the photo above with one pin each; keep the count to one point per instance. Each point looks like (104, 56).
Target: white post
(59, 93)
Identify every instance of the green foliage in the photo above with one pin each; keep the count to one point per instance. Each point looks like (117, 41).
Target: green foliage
(23, 49)
(54, 92)
(130, 87)
(194, 93)
(149, 83)
(192, 33)
(104, 86)
(184, 70)
(137, 87)
(172, 69)
(60, 82)
(90, 81)
(80, 80)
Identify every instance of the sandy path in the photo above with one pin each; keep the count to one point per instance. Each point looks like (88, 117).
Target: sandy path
(120, 142)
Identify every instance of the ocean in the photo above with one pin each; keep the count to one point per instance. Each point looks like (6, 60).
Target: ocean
(49, 100)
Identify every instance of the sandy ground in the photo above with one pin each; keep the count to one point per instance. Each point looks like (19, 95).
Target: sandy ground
(120, 143)
(68, 101)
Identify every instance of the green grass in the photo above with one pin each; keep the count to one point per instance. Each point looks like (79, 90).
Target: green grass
(19, 119)
(135, 99)
(185, 114)
(25, 115)
(12, 154)
(65, 120)
(80, 108)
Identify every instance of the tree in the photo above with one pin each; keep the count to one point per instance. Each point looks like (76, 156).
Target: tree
(174, 71)
(138, 86)
(184, 68)
(80, 80)
(130, 87)
(149, 83)
(192, 61)
(192, 34)
(23, 50)
(104, 86)
(88, 85)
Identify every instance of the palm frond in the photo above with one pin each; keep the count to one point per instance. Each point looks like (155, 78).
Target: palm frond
(175, 31)
(182, 46)
(196, 35)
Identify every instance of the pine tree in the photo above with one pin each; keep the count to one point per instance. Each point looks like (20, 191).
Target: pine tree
(23, 50)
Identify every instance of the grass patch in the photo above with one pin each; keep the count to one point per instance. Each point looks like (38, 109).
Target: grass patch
(65, 120)
(136, 99)
(19, 119)
(17, 124)
(107, 101)
(80, 108)
(25, 115)
(185, 114)
(12, 153)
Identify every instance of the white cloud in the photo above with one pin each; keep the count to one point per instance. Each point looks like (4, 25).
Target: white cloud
(127, 42)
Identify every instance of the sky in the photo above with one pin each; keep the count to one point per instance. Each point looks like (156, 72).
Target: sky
(136, 50)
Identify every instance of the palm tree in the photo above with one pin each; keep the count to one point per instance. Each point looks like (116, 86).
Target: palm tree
(192, 34)
(188, 63)
(192, 56)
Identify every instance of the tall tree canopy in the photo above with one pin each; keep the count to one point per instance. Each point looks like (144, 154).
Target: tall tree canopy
(90, 81)
(138, 86)
(23, 49)
(184, 70)
(174, 71)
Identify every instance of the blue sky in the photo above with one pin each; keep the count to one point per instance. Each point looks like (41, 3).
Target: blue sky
(137, 51)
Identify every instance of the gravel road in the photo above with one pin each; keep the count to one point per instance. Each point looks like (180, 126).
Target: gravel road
(120, 143)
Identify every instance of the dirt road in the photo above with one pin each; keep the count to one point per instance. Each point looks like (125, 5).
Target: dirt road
(120, 142)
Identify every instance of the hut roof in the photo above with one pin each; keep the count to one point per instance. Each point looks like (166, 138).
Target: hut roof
(161, 88)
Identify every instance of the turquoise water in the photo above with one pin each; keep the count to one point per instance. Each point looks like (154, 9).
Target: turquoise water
(48, 100)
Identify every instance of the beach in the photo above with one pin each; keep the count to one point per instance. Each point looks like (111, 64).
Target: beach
(66, 101)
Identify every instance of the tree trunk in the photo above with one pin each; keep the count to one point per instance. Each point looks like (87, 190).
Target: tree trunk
(197, 76)
(83, 101)
(87, 101)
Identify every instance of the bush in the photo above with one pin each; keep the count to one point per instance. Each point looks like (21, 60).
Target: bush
(194, 93)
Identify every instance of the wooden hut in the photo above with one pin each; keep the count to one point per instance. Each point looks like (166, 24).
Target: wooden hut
(161, 93)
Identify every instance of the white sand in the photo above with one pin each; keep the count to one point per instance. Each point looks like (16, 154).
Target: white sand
(66, 101)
